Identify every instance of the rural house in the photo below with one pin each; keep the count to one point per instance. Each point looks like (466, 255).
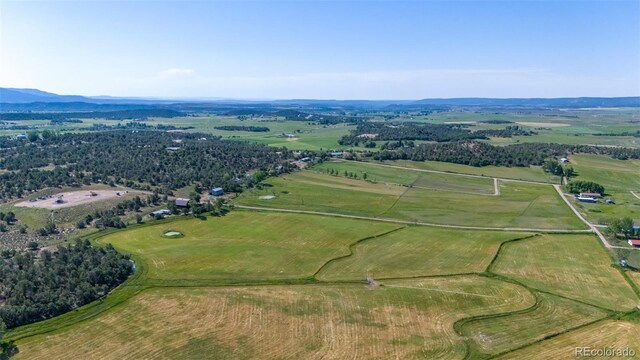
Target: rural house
(634, 242)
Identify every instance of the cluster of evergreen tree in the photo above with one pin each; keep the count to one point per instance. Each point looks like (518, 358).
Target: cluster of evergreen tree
(482, 154)
(242, 128)
(578, 186)
(38, 287)
(428, 132)
(6, 219)
(112, 217)
(138, 156)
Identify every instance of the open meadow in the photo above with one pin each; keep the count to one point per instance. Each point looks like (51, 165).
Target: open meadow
(461, 201)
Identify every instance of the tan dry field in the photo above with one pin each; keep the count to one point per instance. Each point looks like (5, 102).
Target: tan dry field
(542, 124)
(603, 334)
(414, 320)
(72, 198)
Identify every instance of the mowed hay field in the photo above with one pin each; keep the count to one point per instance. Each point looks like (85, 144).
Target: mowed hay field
(519, 204)
(575, 266)
(552, 315)
(244, 246)
(419, 251)
(402, 319)
(377, 173)
(518, 173)
(603, 334)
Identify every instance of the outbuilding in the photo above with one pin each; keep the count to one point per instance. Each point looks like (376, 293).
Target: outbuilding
(182, 202)
(161, 212)
(216, 191)
(590, 195)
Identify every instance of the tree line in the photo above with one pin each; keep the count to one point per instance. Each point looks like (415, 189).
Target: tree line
(476, 153)
(35, 286)
(242, 128)
(367, 131)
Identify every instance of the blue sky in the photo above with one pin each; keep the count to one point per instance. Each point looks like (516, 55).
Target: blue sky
(322, 49)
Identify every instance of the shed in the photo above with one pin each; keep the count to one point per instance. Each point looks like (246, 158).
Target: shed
(216, 191)
(182, 202)
(161, 212)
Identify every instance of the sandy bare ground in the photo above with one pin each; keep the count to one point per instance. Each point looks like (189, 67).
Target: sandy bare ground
(73, 198)
(542, 124)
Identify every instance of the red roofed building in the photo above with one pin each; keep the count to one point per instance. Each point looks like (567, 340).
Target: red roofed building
(634, 242)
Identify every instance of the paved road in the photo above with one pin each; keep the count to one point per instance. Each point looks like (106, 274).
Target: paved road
(593, 227)
(404, 222)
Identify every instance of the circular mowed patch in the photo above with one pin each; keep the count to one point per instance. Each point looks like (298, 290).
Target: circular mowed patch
(173, 234)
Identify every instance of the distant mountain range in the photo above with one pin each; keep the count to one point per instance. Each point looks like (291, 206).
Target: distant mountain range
(28, 96)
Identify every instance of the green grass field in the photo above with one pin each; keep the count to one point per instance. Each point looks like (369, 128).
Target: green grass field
(519, 205)
(244, 246)
(419, 251)
(574, 266)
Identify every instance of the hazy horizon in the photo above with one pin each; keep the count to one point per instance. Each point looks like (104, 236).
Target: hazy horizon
(322, 50)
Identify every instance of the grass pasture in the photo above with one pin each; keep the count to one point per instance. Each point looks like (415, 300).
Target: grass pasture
(419, 251)
(574, 266)
(244, 246)
(519, 205)
(403, 319)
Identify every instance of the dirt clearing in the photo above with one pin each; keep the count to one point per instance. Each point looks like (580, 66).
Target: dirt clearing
(73, 198)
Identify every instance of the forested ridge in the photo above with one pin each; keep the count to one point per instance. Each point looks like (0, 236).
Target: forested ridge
(168, 160)
(34, 288)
